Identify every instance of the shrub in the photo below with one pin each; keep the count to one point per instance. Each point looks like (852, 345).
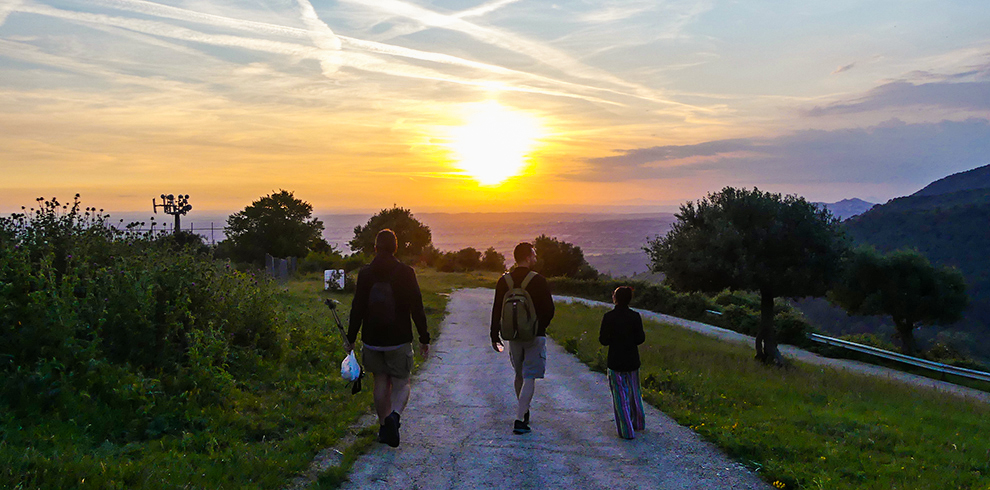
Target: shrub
(464, 260)
(740, 310)
(792, 328)
(122, 330)
(559, 258)
(321, 261)
(492, 260)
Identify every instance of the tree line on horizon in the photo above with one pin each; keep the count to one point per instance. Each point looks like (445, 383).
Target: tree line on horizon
(737, 239)
(282, 225)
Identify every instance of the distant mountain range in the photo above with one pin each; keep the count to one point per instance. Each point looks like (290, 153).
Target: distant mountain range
(949, 222)
(847, 208)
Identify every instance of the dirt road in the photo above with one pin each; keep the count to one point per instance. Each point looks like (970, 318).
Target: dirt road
(457, 429)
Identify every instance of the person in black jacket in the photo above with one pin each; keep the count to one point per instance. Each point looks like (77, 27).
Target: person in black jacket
(528, 358)
(387, 301)
(622, 332)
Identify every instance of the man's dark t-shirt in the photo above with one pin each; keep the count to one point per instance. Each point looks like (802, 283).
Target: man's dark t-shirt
(538, 289)
(408, 304)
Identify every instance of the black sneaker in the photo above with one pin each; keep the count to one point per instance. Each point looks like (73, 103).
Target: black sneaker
(381, 433)
(526, 418)
(390, 433)
(520, 427)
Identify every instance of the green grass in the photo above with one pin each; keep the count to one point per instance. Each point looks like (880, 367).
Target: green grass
(804, 426)
(263, 434)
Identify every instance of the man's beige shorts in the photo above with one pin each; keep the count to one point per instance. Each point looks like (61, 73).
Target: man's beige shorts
(396, 363)
(529, 358)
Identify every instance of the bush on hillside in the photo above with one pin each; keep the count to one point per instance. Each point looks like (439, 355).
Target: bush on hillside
(740, 311)
(414, 238)
(464, 260)
(492, 260)
(278, 224)
(558, 258)
(121, 330)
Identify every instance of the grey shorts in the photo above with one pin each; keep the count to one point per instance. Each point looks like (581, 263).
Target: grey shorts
(529, 358)
(396, 363)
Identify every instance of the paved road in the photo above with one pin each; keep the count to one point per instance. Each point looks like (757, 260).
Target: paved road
(457, 429)
(792, 352)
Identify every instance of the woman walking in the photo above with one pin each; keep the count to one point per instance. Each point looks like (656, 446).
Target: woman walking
(622, 332)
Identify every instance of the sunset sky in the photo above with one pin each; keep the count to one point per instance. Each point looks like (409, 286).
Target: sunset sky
(356, 105)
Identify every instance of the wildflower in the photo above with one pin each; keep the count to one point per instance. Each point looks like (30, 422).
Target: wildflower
(778, 484)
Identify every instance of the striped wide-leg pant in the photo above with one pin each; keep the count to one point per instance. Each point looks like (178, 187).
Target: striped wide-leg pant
(627, 402)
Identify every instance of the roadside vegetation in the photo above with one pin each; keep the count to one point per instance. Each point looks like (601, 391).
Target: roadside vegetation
(800, 427)
(141, 360)
(136, 360)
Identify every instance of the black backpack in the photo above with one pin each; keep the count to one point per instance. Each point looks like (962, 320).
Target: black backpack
(381, 302)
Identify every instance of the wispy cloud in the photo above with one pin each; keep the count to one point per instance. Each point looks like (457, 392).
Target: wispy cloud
(893, 152)
(844, 68)
(541, 52)
(327, 47)
(6, 7)
(322, 37)
(969, 96)
(484, 9)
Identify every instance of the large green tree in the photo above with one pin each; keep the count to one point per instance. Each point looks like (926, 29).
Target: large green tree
(278, 224)
(740, 239)
(414, 237)
(904, 285)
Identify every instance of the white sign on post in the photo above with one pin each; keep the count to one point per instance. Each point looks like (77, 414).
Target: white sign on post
(333, 279)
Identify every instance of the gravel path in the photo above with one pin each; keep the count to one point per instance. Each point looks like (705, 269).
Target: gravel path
(457, 429)
(803, 355)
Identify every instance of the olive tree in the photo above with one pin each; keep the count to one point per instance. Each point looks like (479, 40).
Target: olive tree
(414, 237)
(739, 239)
(558, 258)
(492, 260)
(278, 224)
(903, 285)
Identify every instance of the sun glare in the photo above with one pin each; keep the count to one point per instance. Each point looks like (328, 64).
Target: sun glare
(494, 143)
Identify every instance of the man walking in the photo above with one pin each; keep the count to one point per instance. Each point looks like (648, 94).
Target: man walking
(387, 297)
(528, 355)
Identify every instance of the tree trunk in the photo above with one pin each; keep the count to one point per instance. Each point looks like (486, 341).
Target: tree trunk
(905, 329)
(766, 338)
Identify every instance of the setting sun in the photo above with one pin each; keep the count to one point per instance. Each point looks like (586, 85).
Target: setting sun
(494, 142)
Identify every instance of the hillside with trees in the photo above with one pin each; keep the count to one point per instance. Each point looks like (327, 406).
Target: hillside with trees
(947, 222)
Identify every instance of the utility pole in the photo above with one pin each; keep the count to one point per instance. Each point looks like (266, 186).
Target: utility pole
(174, 205)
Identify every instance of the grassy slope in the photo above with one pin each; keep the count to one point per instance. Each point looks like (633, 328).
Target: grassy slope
(264, 434)
(804, 427)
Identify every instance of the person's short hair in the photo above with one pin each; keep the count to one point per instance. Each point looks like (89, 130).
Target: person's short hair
(385, 242)
(623, 295)
(522, 251)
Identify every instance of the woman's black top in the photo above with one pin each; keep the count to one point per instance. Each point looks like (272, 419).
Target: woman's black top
(622, 332)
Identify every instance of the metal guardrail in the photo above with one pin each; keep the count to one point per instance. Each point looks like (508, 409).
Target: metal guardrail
(914, 361)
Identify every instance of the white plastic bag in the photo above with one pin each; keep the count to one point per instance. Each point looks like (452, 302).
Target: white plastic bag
(350, 370)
